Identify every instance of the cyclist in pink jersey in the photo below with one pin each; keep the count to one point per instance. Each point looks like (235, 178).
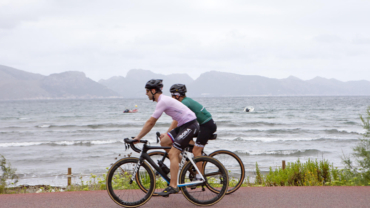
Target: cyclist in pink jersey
(187, 126)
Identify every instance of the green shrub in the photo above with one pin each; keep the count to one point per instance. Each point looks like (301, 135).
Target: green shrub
(359, 173)
(259, 178)
(8, 176)
(94, 183)
(311, 173)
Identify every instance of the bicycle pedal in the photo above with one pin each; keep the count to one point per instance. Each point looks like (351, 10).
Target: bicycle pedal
(167, 196)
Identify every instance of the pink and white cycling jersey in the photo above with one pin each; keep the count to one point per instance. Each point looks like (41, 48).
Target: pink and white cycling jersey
(172, 107)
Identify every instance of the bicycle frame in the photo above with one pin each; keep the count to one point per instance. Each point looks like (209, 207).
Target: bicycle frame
(144, 156)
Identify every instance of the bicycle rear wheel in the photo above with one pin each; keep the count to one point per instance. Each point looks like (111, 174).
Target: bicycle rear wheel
(216, 178)
(235, 167)
(125, 192)
(161, 184)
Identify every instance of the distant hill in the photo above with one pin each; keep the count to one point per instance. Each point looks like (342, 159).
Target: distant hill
(228, 84)
(216, 84)
(133, 84)
(17, 85)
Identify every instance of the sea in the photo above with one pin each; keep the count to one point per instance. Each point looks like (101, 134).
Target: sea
(43, 138)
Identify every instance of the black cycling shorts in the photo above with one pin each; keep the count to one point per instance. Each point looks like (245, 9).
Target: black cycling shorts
(182, 135)
(206, 131)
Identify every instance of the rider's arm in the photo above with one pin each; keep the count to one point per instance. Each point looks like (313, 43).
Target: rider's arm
(173, 125)
(146, 128)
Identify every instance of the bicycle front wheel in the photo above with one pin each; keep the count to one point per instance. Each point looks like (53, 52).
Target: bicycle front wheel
(216, 177)
(235, 167)
(123, 190)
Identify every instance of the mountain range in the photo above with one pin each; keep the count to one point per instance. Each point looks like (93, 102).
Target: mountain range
(18, 85)
(133, 84)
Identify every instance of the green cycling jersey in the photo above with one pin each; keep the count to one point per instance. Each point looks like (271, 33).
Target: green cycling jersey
(201, 113)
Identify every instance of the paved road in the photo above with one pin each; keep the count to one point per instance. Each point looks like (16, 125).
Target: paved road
(245, 197)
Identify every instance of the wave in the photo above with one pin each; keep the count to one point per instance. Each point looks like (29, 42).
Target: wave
(14, 118)
(351, 123)
(67, 132)
(295, 152)
(238, 139)
(245, 128)
(336, 140)
(289, 131)
(12, 127)
(277, 139)
(20, 144)
(246, 124)
(60, 143)
(120, 141)
(19, 133)
(83, 143)
(338, 131)
(100, 126)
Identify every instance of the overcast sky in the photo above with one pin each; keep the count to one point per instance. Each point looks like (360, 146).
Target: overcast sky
(274, 39)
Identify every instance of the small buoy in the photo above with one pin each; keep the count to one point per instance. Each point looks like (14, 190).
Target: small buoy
(135, 106)
(248, 109)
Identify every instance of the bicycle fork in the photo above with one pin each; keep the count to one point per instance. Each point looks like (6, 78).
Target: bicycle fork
(136, 168)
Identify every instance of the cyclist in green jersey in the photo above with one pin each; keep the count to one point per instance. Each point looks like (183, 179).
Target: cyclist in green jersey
(204, 118)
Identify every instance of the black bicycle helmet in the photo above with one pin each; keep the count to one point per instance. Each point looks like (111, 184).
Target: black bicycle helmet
(154, 84)
(178, 88)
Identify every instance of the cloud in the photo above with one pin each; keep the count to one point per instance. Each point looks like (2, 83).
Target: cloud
(267, 38)
(328, 39)
(361, 41)
(14, 13)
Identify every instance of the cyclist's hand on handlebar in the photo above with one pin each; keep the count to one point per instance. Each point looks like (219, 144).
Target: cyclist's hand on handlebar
(138, 140)
(162, 135)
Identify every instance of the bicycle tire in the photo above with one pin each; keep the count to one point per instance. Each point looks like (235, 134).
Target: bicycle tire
(199, 195)
(227, 158)
(160, 183)
(234, 165)
(118, 183)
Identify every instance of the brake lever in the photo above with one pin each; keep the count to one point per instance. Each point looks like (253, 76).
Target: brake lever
(158, 136)
(127, 146)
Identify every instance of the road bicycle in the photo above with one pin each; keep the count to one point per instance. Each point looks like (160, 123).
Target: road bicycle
(129, 176)
(231, 161)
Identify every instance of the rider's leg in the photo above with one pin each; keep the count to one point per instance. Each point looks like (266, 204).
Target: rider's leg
(174, 167)
(205, 133)
(174, 159)
(181, 137)
(166, 141)
(197, 151)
